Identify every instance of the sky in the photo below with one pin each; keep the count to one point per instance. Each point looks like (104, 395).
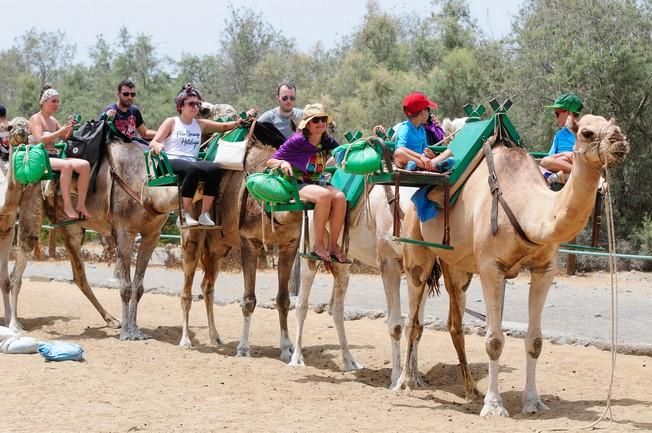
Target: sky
(194, 27)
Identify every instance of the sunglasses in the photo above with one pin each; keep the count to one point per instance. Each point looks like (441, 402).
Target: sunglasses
(196, 104)
(323, 119)
(286, 97)
(132, 94)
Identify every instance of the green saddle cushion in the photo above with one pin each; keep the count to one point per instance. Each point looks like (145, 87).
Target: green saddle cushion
(361, 158)
(30, 163)
(269, 187)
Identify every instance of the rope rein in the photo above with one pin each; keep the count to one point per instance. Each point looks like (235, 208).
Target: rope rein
(607, 414)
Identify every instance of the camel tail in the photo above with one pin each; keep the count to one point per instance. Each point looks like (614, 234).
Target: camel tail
(433, 279)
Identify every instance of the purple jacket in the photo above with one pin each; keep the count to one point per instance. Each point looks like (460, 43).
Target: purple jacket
(305, 157)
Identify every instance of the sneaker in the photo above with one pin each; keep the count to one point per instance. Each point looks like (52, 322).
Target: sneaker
(411, 166)
(205, 220)
(190, 221)
(552, 178)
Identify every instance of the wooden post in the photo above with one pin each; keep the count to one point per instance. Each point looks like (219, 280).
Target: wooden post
(571, 262)
(52, 243)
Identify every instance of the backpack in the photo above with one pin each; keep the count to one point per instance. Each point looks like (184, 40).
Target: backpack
(30, 162)
(87, 141)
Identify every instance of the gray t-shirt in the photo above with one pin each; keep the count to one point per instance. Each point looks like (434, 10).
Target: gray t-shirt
(283, 124)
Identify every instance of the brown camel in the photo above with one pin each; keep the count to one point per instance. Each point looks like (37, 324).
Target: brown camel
(240, 217)
(547, 218)
(114, 213)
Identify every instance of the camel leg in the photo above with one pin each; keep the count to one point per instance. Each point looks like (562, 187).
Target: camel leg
(341, 276)
(308, 270)
(6, 238)
(457, 282)
(493, 287)
(214, 252)
(390, 272)
(249, 250)
(287, 250)
(72, 239)
(418, 265)
(145, 250)
(539, 286)
(128, 292)
(192, 250)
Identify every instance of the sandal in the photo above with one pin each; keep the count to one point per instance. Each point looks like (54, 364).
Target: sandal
(340, 258)
(314, 256)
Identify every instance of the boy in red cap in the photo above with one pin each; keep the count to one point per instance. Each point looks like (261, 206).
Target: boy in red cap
(411, 142)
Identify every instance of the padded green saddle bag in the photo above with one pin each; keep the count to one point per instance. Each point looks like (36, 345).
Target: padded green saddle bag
(30, 163)
(359, 157)
(269, 187)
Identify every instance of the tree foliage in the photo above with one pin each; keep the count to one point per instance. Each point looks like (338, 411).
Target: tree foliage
(598, 49)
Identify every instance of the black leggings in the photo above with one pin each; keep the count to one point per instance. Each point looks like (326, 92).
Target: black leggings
(192, 172)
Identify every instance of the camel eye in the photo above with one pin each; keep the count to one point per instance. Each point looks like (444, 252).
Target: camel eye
(587, 133)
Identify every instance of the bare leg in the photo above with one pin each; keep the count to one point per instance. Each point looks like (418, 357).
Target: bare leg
(83, 168)
(65, 180)
(336, 222)
(321, 197)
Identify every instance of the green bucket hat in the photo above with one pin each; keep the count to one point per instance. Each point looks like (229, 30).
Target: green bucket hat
(568, 101)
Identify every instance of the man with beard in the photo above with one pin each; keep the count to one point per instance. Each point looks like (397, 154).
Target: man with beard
(285, 117)
(126, 115)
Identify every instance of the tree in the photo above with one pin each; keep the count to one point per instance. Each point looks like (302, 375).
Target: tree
(46, 54)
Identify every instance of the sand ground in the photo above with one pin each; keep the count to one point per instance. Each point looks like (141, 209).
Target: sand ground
(155, 386)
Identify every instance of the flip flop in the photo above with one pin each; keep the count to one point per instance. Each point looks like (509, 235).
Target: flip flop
(314, 256)
(337, 259)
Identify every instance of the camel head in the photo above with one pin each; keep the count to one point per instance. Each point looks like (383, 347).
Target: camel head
(18, 131)
(601, 140)
(213, 111)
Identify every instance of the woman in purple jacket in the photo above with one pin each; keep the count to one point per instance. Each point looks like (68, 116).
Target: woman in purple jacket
(305, 153)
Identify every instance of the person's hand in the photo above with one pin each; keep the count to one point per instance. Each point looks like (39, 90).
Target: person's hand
(111, 113)
(429, 153)
(66, 130)
(252, 113)
(379, 128)
(286, 168)
(156, 147)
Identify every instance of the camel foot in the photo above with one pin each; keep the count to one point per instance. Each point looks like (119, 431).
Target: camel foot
(350, 364)
(16, 326)
(297, 359)
(243, 351)
(133, 335)
(286, 353)
(216, 341)
(185, 343)
(399, 383)
(472, 394)
(494, 408)
(112, 322)
(534, 406)
(417, 381)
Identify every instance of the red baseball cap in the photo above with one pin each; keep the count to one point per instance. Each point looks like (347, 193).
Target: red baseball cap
(415, 102)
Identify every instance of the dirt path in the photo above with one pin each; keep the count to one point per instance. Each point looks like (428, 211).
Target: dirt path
(154, 386)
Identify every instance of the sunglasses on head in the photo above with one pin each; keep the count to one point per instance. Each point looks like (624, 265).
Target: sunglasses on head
(286, 97)
(196, 104)
(319, 119)
(132, 94)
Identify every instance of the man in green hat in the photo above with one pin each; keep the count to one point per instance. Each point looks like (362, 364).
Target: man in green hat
(560, 157)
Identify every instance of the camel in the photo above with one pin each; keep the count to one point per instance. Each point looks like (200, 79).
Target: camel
(370, 244)
(115, 213)
(240, 218)
(546, 218)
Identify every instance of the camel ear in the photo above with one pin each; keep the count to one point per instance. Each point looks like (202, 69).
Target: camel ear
(612, 121)
(571, 123)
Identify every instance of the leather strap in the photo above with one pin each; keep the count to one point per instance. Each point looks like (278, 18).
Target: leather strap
(497, 196)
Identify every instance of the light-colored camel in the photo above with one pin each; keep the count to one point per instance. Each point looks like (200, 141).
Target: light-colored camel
(115, 213)
(247, 227)
(371, 244)
(11, 193)
(547, 219)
